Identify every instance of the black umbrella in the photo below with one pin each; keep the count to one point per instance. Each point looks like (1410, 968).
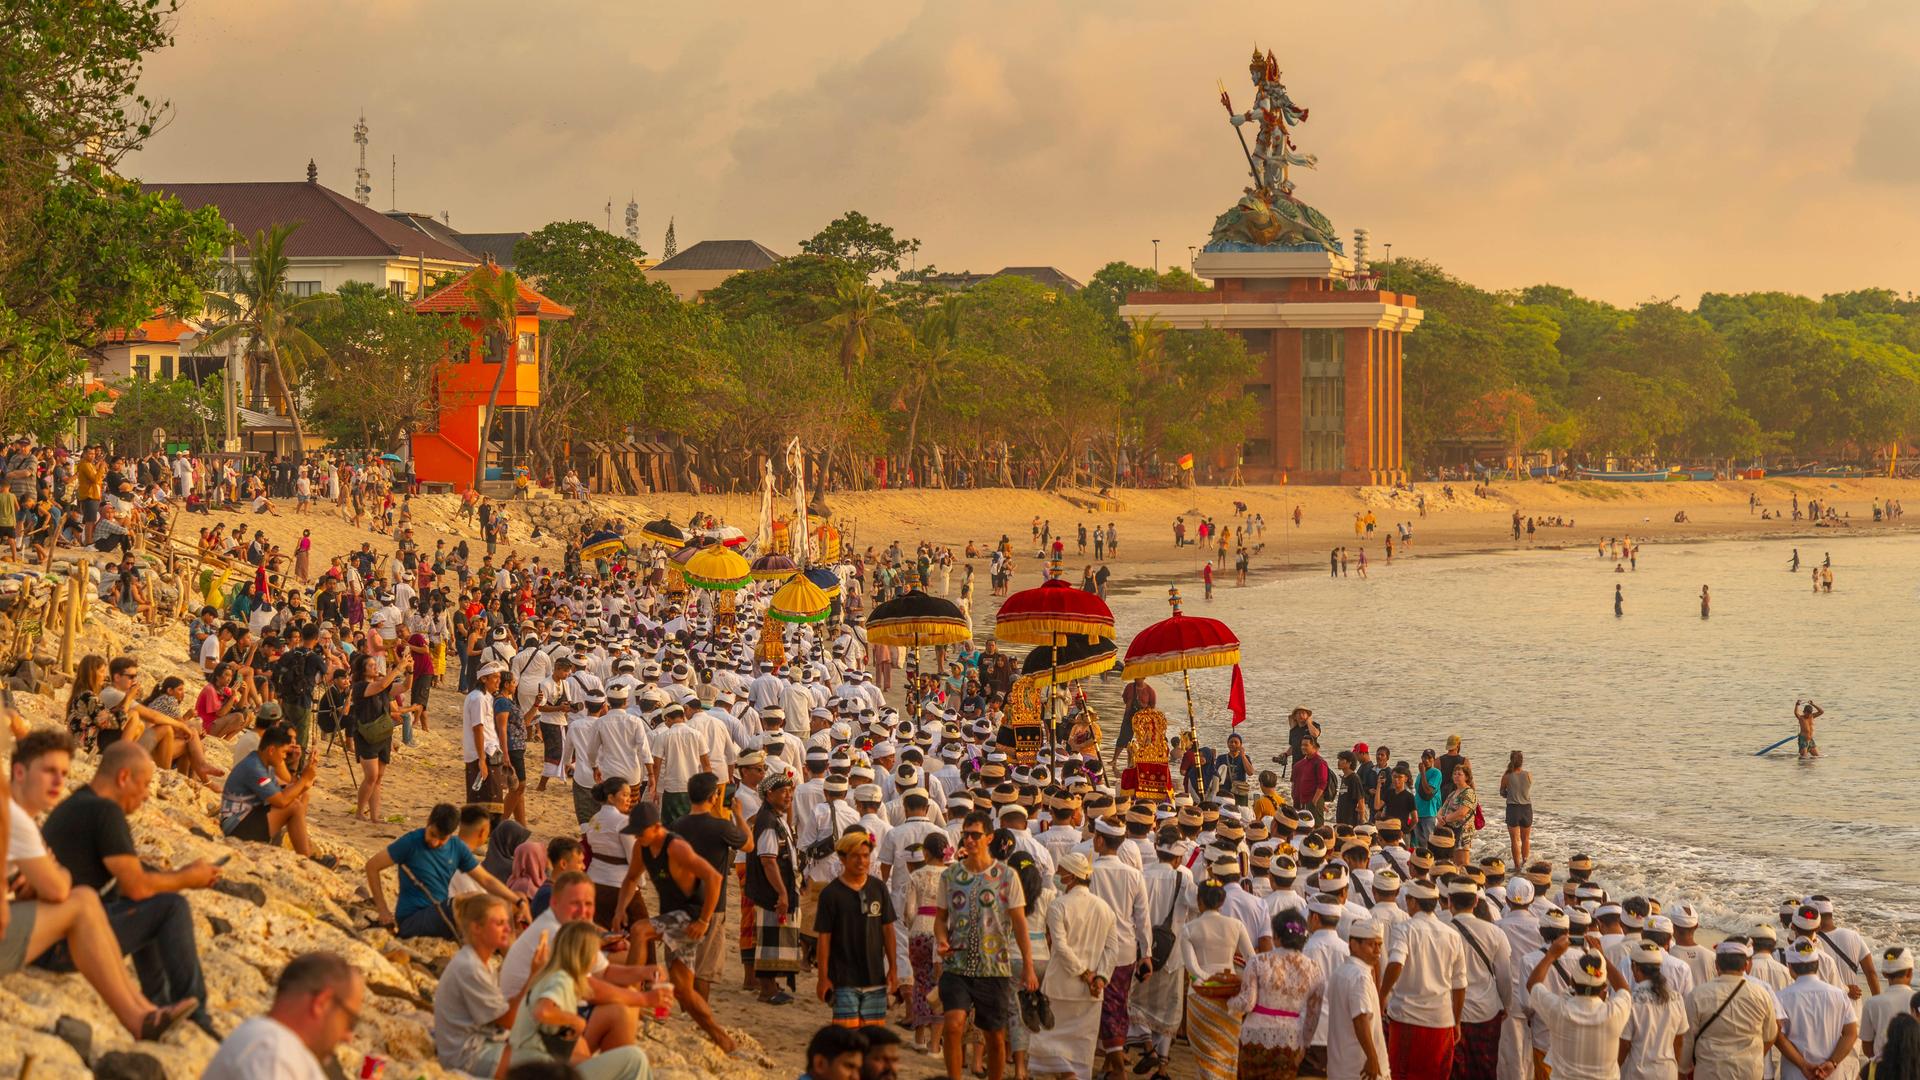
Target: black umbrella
(1079, 658)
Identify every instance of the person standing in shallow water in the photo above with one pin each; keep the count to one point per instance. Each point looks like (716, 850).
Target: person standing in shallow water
(1619, 602)
(1706, 603)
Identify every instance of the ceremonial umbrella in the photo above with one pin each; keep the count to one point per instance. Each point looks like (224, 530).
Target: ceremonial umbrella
(827, 580)
(1079, 657)
(602, 543)
(913, 619)
(799, 601)
(718, 568)
(728, 535)
(772, 567)
(665, 531)
(1048, 612)
(1181, 643)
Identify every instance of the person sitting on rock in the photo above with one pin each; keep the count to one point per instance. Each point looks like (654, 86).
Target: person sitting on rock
(61, 913)
(256, 805)
(427, 860)
(88, 835)
(317, 1000)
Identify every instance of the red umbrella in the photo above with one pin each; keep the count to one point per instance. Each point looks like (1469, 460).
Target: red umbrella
(1183, 642)
(1047, 613)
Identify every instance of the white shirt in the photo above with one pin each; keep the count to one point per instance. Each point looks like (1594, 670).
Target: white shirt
(1325, 948)
(476, 714)
(263, 1049)
(1877, 1014)
(604, 838)
(1585, 1031)
(1652, 1027)
(1125, 891)
(1487, 990)
(514, 970)
(1208, 944)
(621, 746)
(23, 837)
(1080, 938)
(1351, 993)
(1433, 964)
(680, 749)
(580, 747)
(1816, 1011)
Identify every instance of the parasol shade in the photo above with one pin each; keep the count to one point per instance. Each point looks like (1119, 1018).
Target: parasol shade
(914, 619)
(724, 534)
(602, 544)
(680, 557)
(1038, 616)
(1181, 642)
(772, 567)
(1080, 657)
(395, 458)
(717, 567)
(799, 601)
(665, 531)
(827, 580)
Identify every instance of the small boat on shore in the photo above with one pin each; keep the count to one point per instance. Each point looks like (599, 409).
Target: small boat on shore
(1647, 477)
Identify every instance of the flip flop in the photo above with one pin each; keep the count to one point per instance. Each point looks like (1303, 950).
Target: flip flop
(779, 998)
(160, 1021)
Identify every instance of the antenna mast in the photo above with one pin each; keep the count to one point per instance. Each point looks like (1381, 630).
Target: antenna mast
(362, 186)
(633, 218)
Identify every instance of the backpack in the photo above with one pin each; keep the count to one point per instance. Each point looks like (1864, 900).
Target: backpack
(293, 676)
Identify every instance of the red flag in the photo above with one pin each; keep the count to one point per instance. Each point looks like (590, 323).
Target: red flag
(1237, 698)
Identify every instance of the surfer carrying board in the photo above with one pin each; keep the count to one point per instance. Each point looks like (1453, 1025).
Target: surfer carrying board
(1806, 712)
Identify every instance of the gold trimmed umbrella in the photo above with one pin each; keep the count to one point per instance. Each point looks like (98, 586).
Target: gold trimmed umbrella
(799, 601)
(718, 568)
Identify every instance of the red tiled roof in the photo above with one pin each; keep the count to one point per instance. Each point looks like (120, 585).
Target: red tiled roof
(161, 328)
(455, 300)
(331, 224)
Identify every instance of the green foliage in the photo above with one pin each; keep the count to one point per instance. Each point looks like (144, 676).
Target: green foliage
(255, 310)
(377, 379)
(185, 409)
(866, 245)
(1107, 289)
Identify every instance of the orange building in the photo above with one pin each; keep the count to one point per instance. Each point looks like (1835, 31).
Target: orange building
(449, 451)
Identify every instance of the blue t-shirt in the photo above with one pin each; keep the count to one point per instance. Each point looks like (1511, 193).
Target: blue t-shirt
(1423, 806)
(434, 866)
(249, 785)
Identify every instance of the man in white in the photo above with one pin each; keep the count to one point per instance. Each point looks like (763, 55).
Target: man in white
(1324, 948)
(1522, 928)
(1083, 945)
(1155, 1007)
(1356, 1034)
(1744, 1015)
(621, 744)
(1489, 974)
(1818, 1037)
(1425, 987)
(480, 740)
(532, 666)
(682, 752)
(1896, 965)
(1124, 890)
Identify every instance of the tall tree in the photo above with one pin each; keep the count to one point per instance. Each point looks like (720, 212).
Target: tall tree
(858, 321)
(379, 377)
(932, 362)
(256, 308)
(862, 243)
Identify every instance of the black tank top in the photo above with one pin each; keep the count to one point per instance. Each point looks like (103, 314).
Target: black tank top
(659, 870)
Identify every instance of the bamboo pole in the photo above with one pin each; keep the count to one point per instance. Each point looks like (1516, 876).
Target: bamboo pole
(68, 627)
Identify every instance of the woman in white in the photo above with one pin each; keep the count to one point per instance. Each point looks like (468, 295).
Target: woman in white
(1584, 1023)
(612, 848)
(1650, 1044)
(1212, 944)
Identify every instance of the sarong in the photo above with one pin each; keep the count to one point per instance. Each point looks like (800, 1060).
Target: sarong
(1478, 1055)
(1267, 1063)
(776, 947)
(1516, 1050)
(484, 793)
(552, 740)
(1419, 1053)
(1215, 1035)
(1067, 1047)
(1113, 1009)
(1155, 1006)
(920, 1011)
(748, 925)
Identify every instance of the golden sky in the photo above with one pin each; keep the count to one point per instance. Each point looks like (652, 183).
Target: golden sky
(1627, 150)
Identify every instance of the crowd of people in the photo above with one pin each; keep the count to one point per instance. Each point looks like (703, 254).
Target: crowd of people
(936, 885)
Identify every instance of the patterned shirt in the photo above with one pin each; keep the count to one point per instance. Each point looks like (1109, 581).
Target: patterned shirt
(979, 926)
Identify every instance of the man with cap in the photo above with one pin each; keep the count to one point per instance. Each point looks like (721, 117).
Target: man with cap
(1731, 1021)
(1081, 943)
(1585, 1020)
(1489, 980)
(1817, 1039)
(1850, 951)
(480, 742)
(687, 891)
(1425, 987)
(855, 924)
(1154, 1006)
(1805, 923)
(577, 760)
(1697, 957)
(1124, 890)
(553, 705)
(682, 752)
(1356, 1035)
(1325, 949)
(620, 744)
(819, 836)
(1896, 964)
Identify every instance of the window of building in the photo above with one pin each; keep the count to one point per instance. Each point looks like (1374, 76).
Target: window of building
(300, 290)
(398, 288)
(166, 367)
(1323, 400)
(528, 341)
(1257, 452)
(142, 366)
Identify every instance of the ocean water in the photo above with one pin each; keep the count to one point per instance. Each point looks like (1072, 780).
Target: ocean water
(1640, 731)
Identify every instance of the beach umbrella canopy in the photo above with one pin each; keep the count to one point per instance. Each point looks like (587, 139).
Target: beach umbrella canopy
(827, 580)
(665, 531)
(717, 567)
(395, 458)
(914, 619)
(1041, 615)
(602, 544)
(1078, 657)
(1181, 642)
(799, 601)
(772, 567)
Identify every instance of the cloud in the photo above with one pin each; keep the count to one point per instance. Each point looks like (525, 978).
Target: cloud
(1628, 150)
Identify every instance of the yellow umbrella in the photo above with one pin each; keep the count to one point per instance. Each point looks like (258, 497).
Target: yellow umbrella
(717, 568)
(799, 601)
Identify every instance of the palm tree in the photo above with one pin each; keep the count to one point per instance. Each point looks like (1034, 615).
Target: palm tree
(859, 320)
(257, 307)
(496, 300)
(936, 337)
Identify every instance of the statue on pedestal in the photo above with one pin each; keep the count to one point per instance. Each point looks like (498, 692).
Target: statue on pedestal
(1268, 215)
